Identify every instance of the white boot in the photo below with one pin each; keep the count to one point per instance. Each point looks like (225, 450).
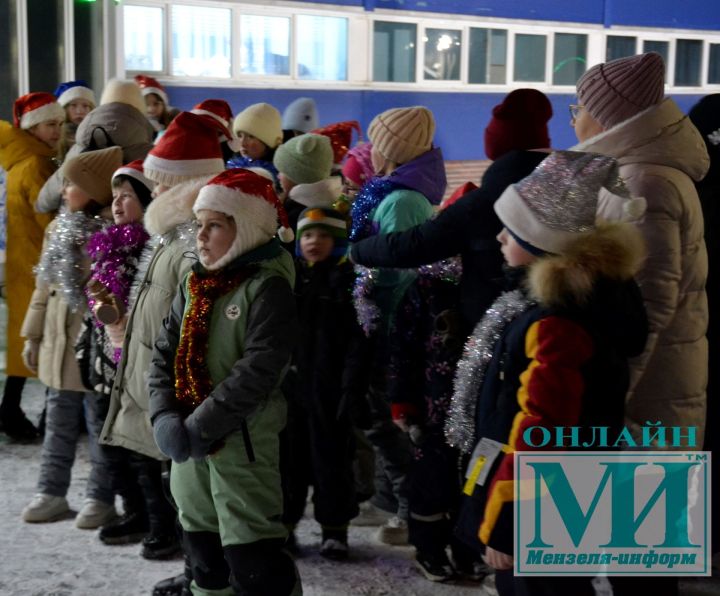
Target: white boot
(45, 508)
(94, 514)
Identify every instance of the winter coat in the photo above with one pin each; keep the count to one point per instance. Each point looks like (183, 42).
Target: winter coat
(562, 362)
(28, 163)
(125, 126)
(252, 333)
(660, 154)
(468, 227)
(166, 260)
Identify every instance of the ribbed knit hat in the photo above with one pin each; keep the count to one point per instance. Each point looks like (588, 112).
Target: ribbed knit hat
(305, 159)
(92, 171)
(190, 148)
(262, 121)
(72, 90)
(34, 108)
(559, 200)
(329, 220)
(618, 90)
(518, 122)
(300, 115)
(402, 134)
(150, 85)
(123, 91)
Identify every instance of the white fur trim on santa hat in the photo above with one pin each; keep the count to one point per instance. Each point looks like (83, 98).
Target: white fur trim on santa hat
(77, 92)
(211, 114)
(157, 91)
(45, 113)
(170, 172)
(136, 174)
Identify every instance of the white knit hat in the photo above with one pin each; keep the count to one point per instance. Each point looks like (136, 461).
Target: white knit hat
(250, 200)
(262, 121)
(558, 201)
(123, 91)
(34, 108)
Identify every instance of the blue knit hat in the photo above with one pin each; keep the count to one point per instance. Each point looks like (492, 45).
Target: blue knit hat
(301, 115)
(72, 90)
(331, 221)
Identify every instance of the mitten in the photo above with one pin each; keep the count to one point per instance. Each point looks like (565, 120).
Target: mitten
(171, 437)
(199, 446)
(30, 352)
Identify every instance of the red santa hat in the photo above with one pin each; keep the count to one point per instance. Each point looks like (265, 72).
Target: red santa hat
(134, 170)
(219, 110)
(34, 108)
(190, 148)
(149, 85)
(250, 200)
(340, 135)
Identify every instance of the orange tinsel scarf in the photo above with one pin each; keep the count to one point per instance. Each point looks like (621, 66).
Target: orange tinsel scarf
(192, 376)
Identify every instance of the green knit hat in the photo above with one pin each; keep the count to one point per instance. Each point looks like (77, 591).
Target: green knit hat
(305, 159)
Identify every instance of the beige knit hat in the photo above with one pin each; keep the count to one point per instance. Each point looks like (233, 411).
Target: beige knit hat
(617, 90)
(402, 134)
(92, 171)
(262, 121)
(123, 91)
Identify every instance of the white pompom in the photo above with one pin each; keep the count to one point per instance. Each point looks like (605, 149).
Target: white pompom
(286, 234)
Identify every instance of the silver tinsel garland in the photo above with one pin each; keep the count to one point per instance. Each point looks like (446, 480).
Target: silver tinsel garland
(64, 262)
(478, 351)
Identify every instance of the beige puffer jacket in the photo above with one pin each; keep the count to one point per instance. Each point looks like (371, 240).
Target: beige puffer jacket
(660, 154)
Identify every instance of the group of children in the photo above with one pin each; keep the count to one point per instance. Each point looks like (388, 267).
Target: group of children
(205, 310)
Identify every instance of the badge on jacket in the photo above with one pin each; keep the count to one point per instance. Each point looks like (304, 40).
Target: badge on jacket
(232, 312)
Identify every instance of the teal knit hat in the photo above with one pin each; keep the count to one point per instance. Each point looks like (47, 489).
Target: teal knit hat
(305, 159)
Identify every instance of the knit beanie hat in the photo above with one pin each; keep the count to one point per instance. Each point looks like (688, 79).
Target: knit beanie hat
(134, 171)
(300, 115)
(251, 201)
(149, 85)
(358, 166)
(340, 135)
(305, 159)
(122, 91)
(34, 108)
(331, 221)
(92, 171)
(618, 90)
(518, 122)
(558, 202)
(402, 134)
(262, 121)
(72, 90)
(190, 148)
(705, 115)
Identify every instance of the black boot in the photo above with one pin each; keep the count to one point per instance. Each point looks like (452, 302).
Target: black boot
(128, 529)
(261, 568)
(13, 421)
(178, 585)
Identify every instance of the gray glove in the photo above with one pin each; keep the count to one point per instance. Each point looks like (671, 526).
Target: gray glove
(171, 437)
(199, 446)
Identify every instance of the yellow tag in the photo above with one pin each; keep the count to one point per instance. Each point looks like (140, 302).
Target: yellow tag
(472, 478)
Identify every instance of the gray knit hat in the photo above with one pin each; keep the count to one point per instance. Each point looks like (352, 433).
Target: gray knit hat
(305, 159)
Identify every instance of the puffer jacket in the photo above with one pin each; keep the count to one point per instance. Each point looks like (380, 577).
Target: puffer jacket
(125, 126)
(661, 153)
(168, 219)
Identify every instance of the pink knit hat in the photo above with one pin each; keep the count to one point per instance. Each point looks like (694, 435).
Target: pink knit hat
(615, 91)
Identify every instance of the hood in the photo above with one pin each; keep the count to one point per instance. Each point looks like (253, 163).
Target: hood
(323, 193)
(17, 145)
(174, 206)
(125, 126)
(661, 135)
(425, 174)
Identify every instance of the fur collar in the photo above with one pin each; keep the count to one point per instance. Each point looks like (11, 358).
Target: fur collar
(174, 206)
(612, 250)
(318, 194)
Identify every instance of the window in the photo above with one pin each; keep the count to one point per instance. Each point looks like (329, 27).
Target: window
(688, 57)
(570, 58)
(488, 56)
(201, 41)
(714, 64)
(394, 51)
(529, 58)
(265, 45)
(661, 47)
(620, 46)
(442, 55)
(322, 48)
(144, 34)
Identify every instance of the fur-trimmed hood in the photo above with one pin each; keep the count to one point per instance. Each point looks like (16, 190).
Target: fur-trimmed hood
(614, 251)
(174, 206)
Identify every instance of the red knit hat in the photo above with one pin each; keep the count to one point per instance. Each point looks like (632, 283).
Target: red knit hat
(519, 122)
(149, 85)
(216, 108)
(34, 108)
(340, 135)
(190, 148)
(620, 89)
(134, 170)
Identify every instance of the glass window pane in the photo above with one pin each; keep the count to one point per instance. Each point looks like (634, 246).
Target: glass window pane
(201, 41)
(265, 45)
(570, 58)
(394, 51)
(620, 46)
(661, 47)
(322, 48)
(442, 55)
(529, 58)
(144, 38)
(488, 56)
(688, 56)
(714, 66)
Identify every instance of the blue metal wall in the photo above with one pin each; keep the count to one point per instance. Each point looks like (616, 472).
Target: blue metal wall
(461, 117)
